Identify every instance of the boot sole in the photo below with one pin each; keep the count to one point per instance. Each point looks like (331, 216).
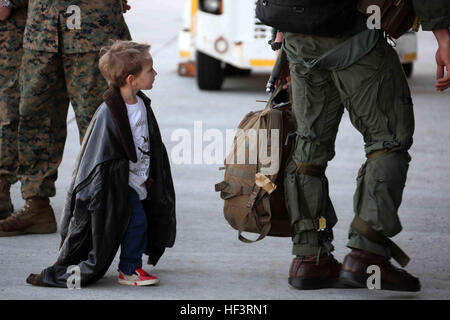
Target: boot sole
(314, 283)
(35, 229)
(360, 281)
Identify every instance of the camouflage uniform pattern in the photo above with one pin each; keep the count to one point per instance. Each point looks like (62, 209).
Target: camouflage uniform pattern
(49, 82)
(11, 35)
(47, 28)
(60, 65)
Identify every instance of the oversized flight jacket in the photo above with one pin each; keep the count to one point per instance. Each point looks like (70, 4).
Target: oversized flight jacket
(96, 213)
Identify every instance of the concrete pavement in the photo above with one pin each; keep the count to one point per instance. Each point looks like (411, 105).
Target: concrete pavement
(208, 261)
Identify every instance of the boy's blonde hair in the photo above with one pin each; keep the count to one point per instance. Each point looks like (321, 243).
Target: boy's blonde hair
(121, 59)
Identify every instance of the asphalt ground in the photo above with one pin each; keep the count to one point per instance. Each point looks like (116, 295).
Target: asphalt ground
(208, 261)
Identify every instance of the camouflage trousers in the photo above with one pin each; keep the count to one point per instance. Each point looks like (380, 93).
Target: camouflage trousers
(9, 113)
(11, 35)
(49, 81)
(375, 92)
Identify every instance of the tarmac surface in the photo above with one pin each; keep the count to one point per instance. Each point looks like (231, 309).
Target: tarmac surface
(208, 261)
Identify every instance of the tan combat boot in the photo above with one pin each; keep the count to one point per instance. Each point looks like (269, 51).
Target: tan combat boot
(6, 207)
(35, 217)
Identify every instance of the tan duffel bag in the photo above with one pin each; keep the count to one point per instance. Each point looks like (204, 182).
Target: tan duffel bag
(253, 190)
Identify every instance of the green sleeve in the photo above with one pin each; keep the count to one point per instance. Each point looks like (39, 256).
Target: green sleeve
(17, 4)
(434, 14)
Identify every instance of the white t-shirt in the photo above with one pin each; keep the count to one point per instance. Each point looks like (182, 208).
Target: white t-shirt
(139, 171)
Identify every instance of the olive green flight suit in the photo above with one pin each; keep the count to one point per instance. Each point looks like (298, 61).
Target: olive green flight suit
(375, 93)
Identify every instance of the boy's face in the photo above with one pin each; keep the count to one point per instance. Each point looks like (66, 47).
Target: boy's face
(144, 81)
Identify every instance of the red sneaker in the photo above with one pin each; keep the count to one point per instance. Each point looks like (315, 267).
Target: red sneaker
(138, 278)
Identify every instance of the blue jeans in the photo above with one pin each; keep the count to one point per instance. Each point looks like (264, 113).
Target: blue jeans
(135, 241)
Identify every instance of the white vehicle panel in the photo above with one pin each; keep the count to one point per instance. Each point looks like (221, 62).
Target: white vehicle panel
(238, 38)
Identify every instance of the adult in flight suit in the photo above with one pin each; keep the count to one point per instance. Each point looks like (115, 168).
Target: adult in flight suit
(359, 71)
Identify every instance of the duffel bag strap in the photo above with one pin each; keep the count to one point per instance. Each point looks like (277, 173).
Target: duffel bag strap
(229, 190)
(270, 102)
(251, 206)
(220, 186)
(253, 196)
(265, 221)
(265, 230)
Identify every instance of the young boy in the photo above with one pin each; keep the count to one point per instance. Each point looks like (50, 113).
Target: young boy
(122, 191)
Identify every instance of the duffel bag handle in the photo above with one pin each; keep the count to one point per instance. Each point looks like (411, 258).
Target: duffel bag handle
(251, 204)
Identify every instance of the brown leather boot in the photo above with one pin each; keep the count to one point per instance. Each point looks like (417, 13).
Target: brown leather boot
(305, 273)
(36, 280)
(354, 272)
(6, 207)
(35, 217)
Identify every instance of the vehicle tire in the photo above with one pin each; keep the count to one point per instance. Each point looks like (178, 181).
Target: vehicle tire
(210, 72)
(232, 71)
(408, 68)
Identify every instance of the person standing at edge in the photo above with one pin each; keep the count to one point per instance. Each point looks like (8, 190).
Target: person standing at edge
(366, 78)
(59, 65)
(13, 16)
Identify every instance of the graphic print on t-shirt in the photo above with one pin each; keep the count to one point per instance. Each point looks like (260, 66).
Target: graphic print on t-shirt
(147, 153)
(139, 170)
